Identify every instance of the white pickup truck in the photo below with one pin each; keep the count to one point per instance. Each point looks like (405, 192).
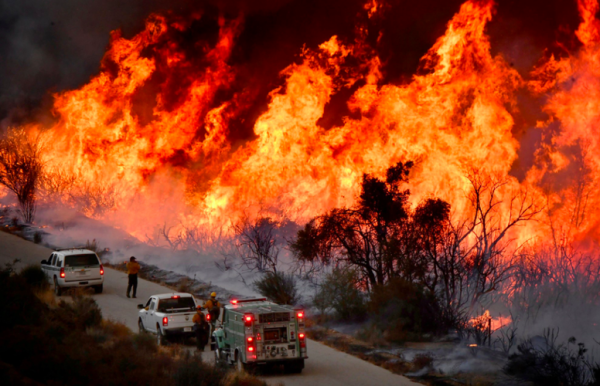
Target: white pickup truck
(168, 315)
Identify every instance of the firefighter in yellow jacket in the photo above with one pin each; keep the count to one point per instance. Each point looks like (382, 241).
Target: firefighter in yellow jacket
(201, 328)
(133, 267)
(213, 307)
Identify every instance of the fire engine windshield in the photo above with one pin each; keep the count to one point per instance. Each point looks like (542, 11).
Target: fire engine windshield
(176, 304)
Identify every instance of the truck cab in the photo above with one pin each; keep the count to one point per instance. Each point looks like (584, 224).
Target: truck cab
(256, 332)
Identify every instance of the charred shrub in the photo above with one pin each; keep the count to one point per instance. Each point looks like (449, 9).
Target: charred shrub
(422, 361)
(145, 342)
(37, 237)
(405, 310)
(278, 287)
(185, 285)
(242, 379)
(542, 361)
(18, 300)
(340, 293)
(82, 313)
(35, 277)
(191, 371)
(70, 345)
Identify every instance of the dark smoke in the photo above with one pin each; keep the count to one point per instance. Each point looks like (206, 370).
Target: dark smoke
(49, 46)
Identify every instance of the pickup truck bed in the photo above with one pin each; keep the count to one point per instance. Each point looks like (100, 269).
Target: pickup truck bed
(168, 315)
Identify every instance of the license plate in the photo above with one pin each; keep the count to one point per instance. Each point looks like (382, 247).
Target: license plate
(81, 273)
(187, 329)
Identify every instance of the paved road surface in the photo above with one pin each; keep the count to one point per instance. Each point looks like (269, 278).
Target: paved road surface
(325, 365)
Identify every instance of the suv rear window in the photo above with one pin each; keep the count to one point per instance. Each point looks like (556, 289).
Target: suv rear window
(177, 304)
(85, 260)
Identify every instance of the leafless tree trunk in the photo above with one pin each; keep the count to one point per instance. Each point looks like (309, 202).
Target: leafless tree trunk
(256, 243)
(473, 258)
(21, 168)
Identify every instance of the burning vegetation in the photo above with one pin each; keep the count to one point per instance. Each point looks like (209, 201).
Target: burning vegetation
(430, 182)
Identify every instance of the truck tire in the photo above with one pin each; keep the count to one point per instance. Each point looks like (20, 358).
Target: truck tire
(239, 365)
(160, 338)
(294, 367)
(98, 288)
(219, 360)
(57, 289)
(141, 328)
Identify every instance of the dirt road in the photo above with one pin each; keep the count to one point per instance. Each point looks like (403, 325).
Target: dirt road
(325, 365)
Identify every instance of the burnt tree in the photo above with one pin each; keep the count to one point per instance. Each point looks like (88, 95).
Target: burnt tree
(20, 169)
(469, 260)
(256, 243)
(376, 237)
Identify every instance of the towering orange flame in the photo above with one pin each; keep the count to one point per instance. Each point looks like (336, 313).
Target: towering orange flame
(172, 161)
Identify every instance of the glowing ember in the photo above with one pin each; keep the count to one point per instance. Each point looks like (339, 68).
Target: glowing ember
(483, 321)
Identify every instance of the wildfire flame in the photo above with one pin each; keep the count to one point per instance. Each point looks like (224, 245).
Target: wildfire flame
(485, 320)
(165, 155)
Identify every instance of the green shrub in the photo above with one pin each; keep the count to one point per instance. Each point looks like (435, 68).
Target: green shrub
(403, 310)
(339, 292)
(35, 277)
(278, 287)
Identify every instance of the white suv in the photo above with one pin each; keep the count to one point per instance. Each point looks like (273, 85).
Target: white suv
(68, 268)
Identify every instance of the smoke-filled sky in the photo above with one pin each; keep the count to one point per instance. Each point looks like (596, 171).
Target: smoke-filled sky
(49, 46)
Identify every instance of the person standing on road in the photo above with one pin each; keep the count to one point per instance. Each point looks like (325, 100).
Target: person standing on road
(201, 328)
(214, 309)
(133, 267)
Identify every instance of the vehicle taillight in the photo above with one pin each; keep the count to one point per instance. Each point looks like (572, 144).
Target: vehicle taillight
(175, 297)
(101, 270)
(302, 340)
(250, 344)
(165, 321)
(248, 320)
(62, 273)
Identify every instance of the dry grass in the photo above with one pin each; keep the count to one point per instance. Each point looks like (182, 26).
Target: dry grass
(368, 351)
(359, 349)
(236, 378)
(185, 285)
(458, 380)
(116, 329)
(373, 336)
(396, 367)
(47, 297)
(421, 361)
